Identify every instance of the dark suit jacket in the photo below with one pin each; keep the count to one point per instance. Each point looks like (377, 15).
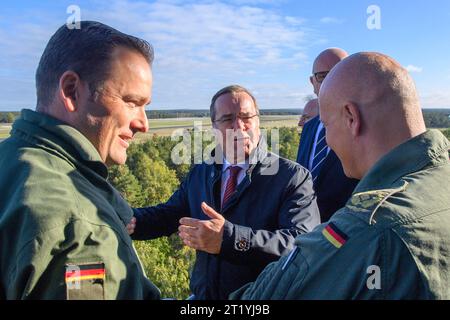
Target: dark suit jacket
(332, 187)
(263, 218)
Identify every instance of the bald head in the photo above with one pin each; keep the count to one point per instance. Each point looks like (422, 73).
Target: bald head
(371, 100)
(324, 62)
(328, 58)
(310, 110)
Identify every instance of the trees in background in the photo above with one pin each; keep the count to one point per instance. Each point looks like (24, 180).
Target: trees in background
(447, 133)
(287, 146)
(435, 118)
(125, 181)
(8, 117)
(146, 180)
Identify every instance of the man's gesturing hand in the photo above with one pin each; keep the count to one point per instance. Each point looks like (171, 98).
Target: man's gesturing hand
(131, 226)
(204, 235)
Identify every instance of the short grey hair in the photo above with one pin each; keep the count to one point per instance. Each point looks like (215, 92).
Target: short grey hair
(230, 89)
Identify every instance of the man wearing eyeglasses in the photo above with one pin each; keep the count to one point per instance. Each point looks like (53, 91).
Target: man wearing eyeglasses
(239, 212)
(332, 187)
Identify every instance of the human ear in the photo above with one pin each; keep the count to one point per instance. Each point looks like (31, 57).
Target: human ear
(352, 118)
(69, 87)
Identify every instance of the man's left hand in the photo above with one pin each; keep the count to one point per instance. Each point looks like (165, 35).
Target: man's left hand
(131, 226)
(204, 235)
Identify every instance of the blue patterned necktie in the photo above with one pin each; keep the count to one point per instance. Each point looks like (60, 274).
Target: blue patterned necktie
(319, 154)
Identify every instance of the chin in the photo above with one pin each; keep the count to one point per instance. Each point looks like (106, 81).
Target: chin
(118, 160)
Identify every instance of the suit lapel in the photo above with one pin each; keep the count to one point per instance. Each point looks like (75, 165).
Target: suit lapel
(328, 163)
(215, 186)
(307, 141)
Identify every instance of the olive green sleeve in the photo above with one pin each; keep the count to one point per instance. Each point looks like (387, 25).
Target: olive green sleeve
(79, 260)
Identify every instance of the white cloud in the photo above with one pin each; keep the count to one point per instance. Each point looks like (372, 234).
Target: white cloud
(331, 20)
(294, 21)
(200, 46)
(257, 2)
(283, 95)
(210, 32)
(414, 69)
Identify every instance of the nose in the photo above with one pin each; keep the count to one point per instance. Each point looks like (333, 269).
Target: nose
(140, 122)
(238, 124)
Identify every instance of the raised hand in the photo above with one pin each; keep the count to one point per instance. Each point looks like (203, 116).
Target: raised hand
(204, 235)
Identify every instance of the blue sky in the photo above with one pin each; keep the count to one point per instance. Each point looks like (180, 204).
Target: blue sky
(267, 46)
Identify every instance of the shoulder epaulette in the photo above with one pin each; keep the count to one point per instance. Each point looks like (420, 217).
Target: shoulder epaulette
(369, 201)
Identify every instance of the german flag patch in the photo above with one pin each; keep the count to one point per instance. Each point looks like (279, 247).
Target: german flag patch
(85, 281)
(83, 272)
(334, 235)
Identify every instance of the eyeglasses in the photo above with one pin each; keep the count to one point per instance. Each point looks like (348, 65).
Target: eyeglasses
(229, 119)
(320, 76)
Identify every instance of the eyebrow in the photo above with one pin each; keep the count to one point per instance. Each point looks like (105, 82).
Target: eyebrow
(231, 114)
(225, 115)
(141, 100)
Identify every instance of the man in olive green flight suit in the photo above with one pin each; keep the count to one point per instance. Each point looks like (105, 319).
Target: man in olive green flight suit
(392, 239)
(63, 228)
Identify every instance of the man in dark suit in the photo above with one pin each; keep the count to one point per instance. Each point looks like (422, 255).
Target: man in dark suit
(332, 187)
(241, 209)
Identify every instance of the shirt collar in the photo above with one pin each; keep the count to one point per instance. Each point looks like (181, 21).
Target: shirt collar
(227, 164)
(320, 126)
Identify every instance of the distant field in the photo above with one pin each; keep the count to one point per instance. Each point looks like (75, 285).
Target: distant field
(165, 127)
(279, 121)
(4, 130)
(189, 122)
